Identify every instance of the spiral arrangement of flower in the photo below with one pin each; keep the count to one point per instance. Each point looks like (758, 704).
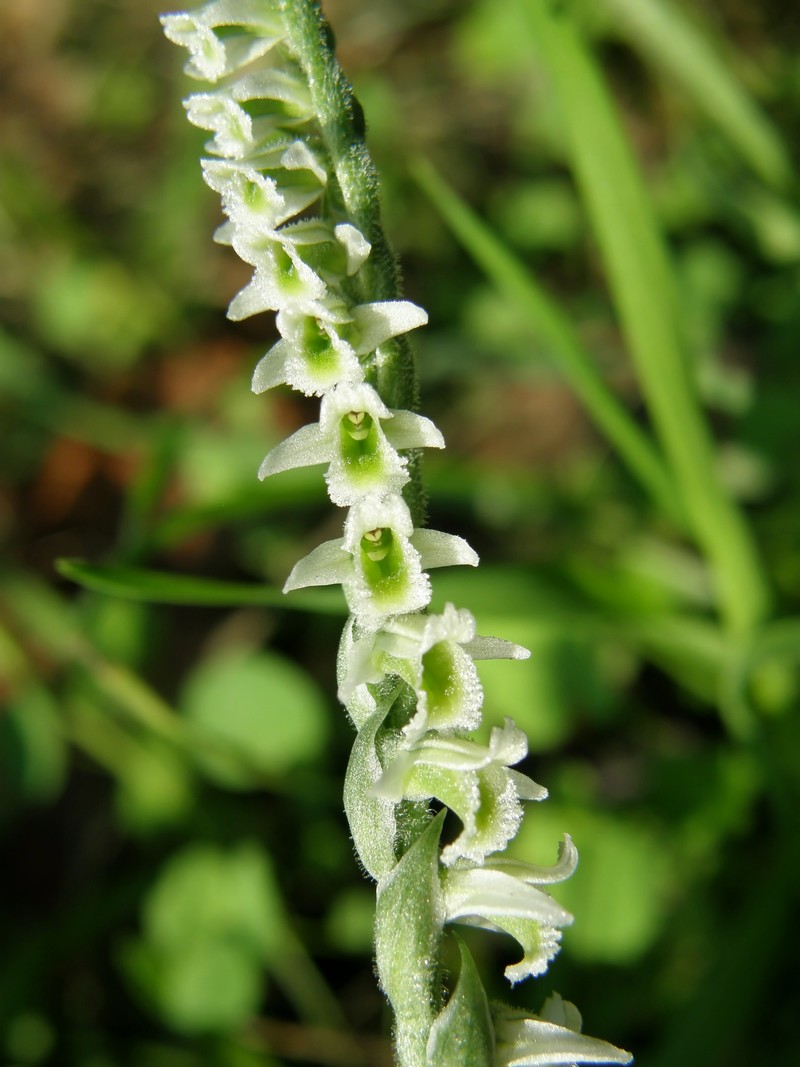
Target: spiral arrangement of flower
(288, 158)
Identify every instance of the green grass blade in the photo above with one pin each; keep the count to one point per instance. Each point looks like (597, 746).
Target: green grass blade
(512, 278)
(161, 587)
(659, 30)
(642, 288)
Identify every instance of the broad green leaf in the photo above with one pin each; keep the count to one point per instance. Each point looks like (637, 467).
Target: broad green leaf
(408, 927)
(161, 587)
(259, 704)
(643, 289)
(511, 276)
(462, 1034)
(660, 30)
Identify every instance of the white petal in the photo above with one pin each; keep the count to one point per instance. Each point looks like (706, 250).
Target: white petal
(480, 892)
(409, 430)
(305, 448)
(350, 397)
(355, 244)
(328, 564)
(535, 874)
(438, 549)
(380, 321)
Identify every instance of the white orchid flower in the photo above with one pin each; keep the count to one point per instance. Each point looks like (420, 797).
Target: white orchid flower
(475, 781)
(359, 438)
(379, 561)
(504, 895)
(293, 266)
(283, 101)
(318, 351)
(435, 654)
(262, 194)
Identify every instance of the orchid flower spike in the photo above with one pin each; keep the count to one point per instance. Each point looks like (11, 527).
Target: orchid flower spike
(286, 155)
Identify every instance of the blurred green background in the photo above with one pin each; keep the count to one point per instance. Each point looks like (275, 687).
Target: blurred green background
(178, 884)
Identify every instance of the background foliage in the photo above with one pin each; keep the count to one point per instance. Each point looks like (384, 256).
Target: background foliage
(179, 888)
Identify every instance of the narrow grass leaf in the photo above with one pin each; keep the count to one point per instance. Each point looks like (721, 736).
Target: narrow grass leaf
(161, 587)
(678, 47)
(547, 321)
(643, 290)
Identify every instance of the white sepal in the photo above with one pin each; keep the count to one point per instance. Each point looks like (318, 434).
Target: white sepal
(305, 448)
(483, 892)
(409, 430)
(327, 564)
(538, 1041)
(439, 549)
(535, 874)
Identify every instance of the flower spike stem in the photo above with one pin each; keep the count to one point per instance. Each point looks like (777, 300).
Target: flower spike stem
(287, 155)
